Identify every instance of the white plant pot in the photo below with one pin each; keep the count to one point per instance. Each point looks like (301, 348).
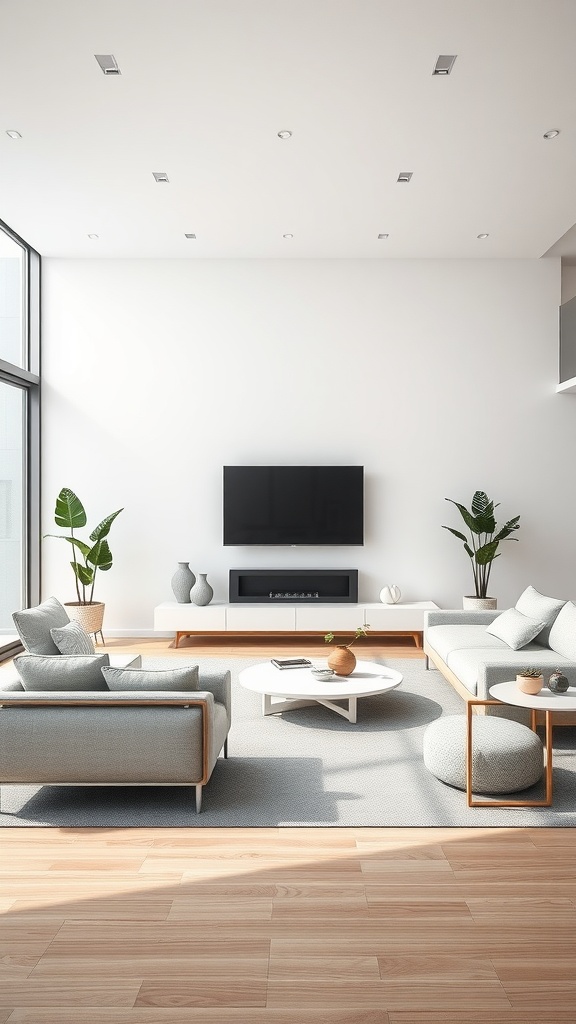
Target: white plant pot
(479, 604)
(90, 616)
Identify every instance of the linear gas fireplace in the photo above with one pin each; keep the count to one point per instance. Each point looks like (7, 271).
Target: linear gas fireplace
(321, 586)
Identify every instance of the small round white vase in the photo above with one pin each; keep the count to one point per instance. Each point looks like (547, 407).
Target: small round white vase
(390, 594)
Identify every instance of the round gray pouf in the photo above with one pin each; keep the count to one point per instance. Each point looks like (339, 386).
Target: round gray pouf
(506, 756)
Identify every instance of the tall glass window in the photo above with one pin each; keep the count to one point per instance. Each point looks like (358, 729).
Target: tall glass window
(12, 502)
(13, 340)
(19, 431)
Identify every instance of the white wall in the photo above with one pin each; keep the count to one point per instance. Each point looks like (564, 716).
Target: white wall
(437, 376)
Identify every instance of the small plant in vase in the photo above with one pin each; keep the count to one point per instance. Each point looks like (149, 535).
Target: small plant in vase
(342, 660)
(482, 543)
(530, 680)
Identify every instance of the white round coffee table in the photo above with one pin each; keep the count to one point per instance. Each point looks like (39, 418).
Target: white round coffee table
(298, 688)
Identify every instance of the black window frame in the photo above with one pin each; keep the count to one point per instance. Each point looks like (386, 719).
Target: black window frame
(28, 378)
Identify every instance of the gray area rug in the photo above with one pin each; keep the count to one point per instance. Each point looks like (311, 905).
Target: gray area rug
(309, 767)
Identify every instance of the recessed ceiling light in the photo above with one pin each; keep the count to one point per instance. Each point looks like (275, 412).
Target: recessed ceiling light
(189, 235)
(13, 134)
(444, 64)
(160, 176)
(288, 235)
(93, 236)
(284, 134)
(552, 133)
(383, 236)
(108, 63)
(483, 235)
(404, 176)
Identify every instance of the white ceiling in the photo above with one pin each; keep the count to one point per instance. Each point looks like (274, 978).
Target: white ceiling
(207, 84)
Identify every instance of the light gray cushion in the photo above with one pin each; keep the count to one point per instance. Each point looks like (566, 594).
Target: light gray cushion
(562, 638)
(183, 679)
(514, 628)
(72, 639)
(467, 664)
(62, 672)
(34, 625)
(445, 639)
(537, 606)
(506, 756)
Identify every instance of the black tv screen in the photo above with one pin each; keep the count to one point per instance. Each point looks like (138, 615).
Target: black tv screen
(293, 505)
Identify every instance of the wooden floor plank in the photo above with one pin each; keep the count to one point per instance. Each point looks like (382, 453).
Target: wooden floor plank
(195, 1015)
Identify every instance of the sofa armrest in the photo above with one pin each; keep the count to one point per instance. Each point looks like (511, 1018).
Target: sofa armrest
(458, 616)
(220, 685)
(11, 686)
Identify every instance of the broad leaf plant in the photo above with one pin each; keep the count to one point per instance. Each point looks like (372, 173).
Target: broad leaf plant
(481, 545)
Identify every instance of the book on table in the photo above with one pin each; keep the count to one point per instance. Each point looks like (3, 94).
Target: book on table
(283, 663)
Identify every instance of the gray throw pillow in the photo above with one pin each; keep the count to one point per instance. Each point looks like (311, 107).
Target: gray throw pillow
(34, 625)
(62, 672)
(563, 633)
(152, 679)
(537, 606)
(72, 639)
(514, 628)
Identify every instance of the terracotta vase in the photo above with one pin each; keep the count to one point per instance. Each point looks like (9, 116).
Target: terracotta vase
(342, 661)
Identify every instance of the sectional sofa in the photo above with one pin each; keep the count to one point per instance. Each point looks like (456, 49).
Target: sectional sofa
(476, 649)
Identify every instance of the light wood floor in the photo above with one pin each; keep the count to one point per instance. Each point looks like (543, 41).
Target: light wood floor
(286, 925)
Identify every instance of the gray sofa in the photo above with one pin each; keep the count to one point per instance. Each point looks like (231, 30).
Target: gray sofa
(473, 660)
(115, 738)
(73, 719)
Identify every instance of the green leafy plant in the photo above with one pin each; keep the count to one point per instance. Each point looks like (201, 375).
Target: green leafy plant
(532, 673)
(360, 631)
(70, 515)
(484, 537)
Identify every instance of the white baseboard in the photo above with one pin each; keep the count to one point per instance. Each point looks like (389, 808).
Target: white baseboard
(136, 632)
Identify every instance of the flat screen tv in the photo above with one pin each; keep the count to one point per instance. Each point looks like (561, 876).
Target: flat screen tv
(293, 505)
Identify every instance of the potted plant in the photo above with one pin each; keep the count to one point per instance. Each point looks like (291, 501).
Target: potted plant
(70, 515)
(530, 680)
(482, 544)
(342, 660)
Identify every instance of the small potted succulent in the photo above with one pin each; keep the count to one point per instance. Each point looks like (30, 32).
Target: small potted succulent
(530, 680)
(342, 660)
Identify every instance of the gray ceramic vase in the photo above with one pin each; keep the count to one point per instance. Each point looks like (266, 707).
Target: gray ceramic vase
(182, 582)
(201, 592)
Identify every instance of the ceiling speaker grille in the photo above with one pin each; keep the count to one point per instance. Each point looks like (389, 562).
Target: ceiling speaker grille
(108, 63)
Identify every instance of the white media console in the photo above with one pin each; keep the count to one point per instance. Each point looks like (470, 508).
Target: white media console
(276, 618)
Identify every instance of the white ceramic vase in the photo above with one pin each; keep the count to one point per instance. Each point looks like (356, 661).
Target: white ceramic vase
(390, 594)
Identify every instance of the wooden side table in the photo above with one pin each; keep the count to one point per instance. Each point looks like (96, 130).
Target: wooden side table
(546, 701)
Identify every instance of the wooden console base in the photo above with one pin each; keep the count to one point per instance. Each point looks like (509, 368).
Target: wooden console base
(415, 634)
